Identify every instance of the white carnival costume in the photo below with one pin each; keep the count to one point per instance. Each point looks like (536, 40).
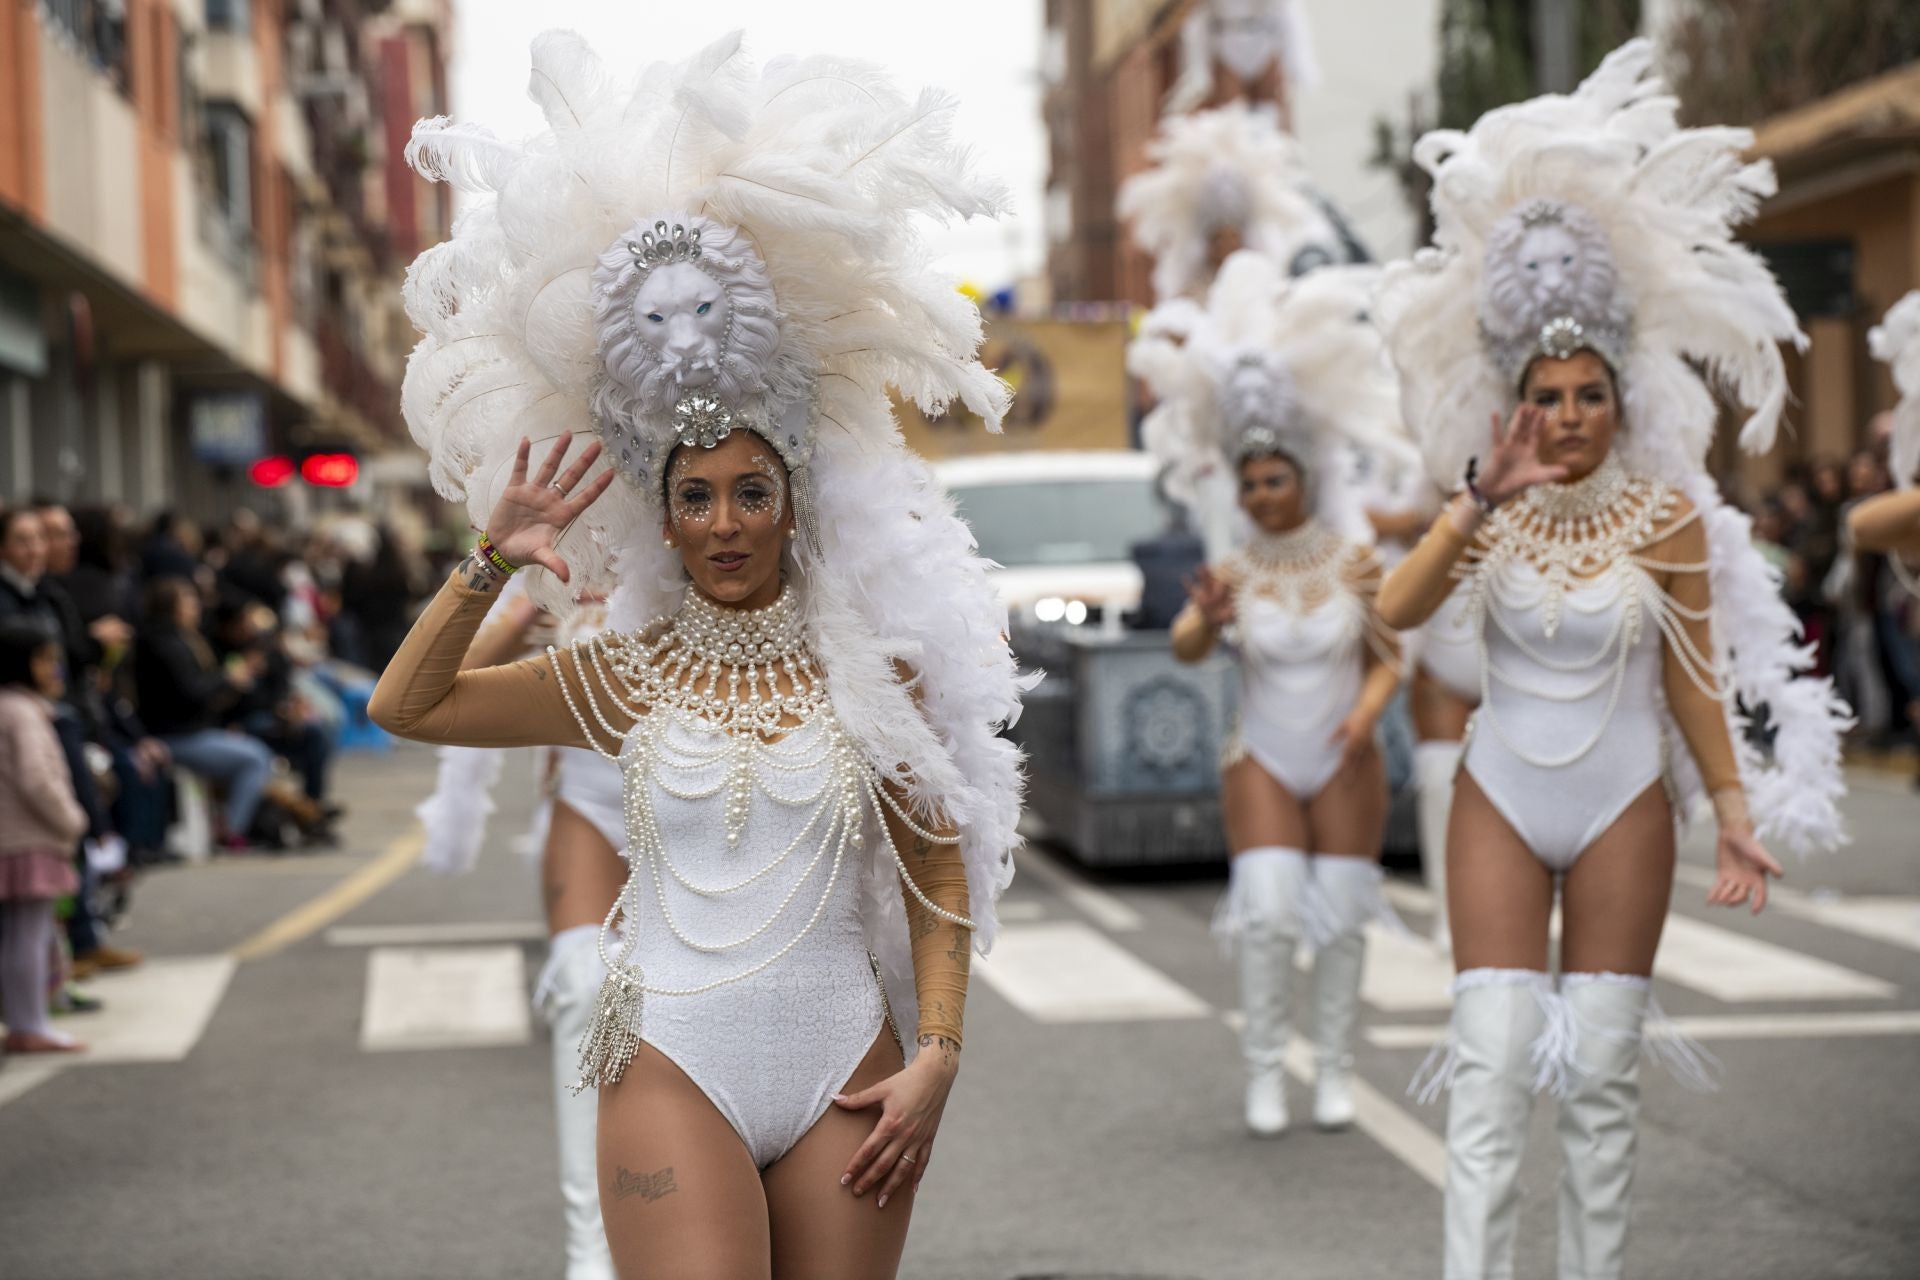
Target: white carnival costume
(720, 247)
(1594, 222)
(1274, 366)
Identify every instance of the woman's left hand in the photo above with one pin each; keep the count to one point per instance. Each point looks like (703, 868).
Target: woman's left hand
(1742, 866)
(911, 1102)
(1353, 737)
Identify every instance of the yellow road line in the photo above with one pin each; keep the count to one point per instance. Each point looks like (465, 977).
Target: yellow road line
(316, 914)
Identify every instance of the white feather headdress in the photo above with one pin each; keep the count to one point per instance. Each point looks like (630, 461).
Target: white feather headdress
(1648, 275)
(1269, 364)
(1232, 166)
(823, 169)
(1896, 341)
(1664, 201)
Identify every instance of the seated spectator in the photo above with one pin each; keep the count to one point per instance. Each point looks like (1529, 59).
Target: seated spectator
(272, 708)
(184, 696)
(40, 822)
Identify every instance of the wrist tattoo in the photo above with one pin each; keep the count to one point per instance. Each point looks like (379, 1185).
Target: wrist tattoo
(478, 574)
(946, 1047)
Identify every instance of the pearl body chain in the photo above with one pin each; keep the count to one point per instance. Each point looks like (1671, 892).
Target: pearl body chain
(724, 706)
(1581, 546)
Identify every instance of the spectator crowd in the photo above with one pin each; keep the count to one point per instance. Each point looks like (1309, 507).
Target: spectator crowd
(162, 688)
(1857, 609)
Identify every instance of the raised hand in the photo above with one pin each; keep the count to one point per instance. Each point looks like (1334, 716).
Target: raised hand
(531, 515)
(1212, 597)
(1514, 465)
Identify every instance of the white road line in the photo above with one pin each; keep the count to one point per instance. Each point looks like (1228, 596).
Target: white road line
(155, 1013)
(1022, 911)
(439, 933)
(1407, 896)
(1739, 969)
(1066, 971)
(1397, 1130)
(21, 1074)
(1404, 974)
(1734, 1026)
(1099, 906)
(1894, 920)
(444, 998)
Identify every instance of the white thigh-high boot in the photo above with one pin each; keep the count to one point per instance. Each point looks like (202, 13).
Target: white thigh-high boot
(1261, 917)
(1598, 1121)
(1500, 1026)
(1345, 894)
(565, 993)
(1435, 765)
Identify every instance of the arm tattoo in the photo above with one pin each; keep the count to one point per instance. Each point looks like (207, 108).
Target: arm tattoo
(924, 923)
(922, 846)
(479, 575)
(648, 1186)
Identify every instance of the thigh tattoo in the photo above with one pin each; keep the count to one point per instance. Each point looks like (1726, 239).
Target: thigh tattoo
(648, 1186)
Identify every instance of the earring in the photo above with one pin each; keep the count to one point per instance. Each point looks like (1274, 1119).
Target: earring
(792, 534)
(667, 543)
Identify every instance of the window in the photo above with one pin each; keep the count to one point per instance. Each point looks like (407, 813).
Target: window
(230, 153)
(1060, 522)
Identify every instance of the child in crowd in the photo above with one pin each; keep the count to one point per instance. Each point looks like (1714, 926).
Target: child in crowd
(40, 822)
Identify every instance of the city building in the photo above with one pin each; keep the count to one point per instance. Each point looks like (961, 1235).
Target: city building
(204, 215)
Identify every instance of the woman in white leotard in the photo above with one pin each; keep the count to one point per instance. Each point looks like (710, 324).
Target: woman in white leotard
(1599, 570)
(1444, 656)
(1890, 522)
(807, 669)
(1303, 787)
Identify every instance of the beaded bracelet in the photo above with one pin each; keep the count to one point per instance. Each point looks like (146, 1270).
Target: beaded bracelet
(493, 557)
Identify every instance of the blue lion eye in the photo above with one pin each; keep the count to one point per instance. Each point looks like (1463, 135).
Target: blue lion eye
(704, 308)
(656, 317)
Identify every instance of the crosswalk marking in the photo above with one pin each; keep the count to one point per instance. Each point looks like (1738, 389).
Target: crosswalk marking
(1708, 958)
(1890, 919)
(1739, 969)
(1067, 971)
(1375, 1114)
(1723, 1026)
(1103, 908)
(440, 932)
(444, 998)
(155, 1013)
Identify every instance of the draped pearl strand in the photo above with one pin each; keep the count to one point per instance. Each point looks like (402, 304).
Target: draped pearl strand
(1295, 569)
(762, 740)
(1589, 534)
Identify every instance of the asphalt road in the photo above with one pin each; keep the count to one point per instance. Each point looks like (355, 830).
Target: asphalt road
(327, 1070)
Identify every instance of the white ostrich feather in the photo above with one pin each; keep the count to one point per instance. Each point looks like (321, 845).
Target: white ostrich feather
(1231, 166)
(1706, 315)
(828, 170)
(1896, 341)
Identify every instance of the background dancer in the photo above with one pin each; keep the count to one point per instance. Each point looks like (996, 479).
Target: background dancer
(1267, 387)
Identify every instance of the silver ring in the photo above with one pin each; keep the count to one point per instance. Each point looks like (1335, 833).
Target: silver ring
(909, 1159)
(555, 486)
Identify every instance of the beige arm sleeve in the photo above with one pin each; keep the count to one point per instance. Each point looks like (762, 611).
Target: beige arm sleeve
(1385, 667)
(942, 950)
(1889, 522)
(1701, 716)
(424, 695)
(1421, 583)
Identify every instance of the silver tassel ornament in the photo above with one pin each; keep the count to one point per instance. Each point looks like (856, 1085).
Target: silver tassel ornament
(613, 1037)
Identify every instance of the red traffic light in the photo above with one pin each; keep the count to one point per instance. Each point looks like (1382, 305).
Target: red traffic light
(271, 472)
(330, 470)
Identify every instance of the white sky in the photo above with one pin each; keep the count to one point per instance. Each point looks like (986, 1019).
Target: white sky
(985, 52)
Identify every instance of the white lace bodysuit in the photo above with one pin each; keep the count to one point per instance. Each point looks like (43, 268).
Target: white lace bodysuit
(1572, 722)
(1300, 628)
